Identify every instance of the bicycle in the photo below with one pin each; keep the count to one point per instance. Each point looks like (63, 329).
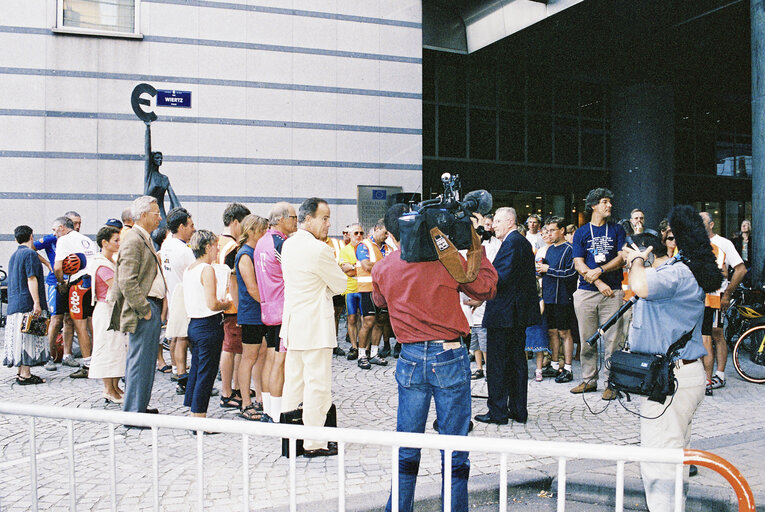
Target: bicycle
(3, 295)
(745, 333)
(749, 355)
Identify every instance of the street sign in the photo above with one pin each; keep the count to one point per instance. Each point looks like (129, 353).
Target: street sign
(167, 98)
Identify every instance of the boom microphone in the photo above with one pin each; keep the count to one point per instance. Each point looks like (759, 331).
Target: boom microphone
(478, 201)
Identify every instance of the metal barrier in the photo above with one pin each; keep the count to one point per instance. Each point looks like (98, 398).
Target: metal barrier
(449, 444)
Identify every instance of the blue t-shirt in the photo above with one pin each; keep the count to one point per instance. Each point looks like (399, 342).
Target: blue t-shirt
(556, 280)
(48, 242)
(24, 264)
(362, 252)
(674, 305)
(248, 312)
(598, 245)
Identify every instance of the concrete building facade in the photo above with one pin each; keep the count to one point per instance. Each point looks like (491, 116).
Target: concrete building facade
(289, 99)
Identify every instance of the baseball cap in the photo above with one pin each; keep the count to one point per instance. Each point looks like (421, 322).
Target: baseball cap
(115, 223)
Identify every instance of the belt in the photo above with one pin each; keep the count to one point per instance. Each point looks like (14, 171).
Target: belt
(155, 300)
(683, 362)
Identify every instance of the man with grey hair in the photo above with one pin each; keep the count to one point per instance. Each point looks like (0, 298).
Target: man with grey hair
(76, 219)
(534, 235)
(268, 271)
(77, 286)
(137, 294)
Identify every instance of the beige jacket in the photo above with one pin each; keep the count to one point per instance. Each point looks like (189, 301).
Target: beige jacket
(137, 266)
(311, 278)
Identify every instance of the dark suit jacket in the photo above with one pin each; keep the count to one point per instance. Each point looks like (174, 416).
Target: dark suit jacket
(516, 303)
(137, 266)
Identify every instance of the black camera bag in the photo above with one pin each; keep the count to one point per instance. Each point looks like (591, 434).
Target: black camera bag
(650, 375)
(416, 243)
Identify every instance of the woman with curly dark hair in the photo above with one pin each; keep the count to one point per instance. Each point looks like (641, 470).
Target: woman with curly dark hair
(672, 304)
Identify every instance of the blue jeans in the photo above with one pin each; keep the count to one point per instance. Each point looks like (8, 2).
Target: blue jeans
(423, 370)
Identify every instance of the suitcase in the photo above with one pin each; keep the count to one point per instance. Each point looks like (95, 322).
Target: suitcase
(296, 418)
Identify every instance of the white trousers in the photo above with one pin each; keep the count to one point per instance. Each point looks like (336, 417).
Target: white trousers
(308, 379)
(671, 430)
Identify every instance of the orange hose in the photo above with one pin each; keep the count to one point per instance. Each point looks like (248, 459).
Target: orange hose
(728, 471)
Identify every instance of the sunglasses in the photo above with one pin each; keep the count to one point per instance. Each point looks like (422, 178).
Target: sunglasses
(670, 238)
(358, 232)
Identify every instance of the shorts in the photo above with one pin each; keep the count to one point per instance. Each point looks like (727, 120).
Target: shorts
(711, 320)
(367, 305)
(478, 338)
(559, 316)
(80, 306)
(253, 334)
(58, 304)
(338, 301)
(177, 321)
(353, 303)
(272, 336)
(232, 335)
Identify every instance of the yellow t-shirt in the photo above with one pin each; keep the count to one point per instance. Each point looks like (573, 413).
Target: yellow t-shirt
(348, 255)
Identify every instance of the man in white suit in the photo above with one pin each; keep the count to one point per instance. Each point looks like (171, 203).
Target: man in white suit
(311, 278)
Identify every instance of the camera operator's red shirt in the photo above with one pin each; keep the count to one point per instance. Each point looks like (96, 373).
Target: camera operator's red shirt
(423, 299)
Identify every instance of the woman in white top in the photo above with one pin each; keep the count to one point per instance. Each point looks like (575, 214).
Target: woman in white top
(205, 312)
(109, 347)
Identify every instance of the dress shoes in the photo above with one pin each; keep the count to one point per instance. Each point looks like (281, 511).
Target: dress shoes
(585, 387)
(486, 418)
(151, 411)
(329, 451)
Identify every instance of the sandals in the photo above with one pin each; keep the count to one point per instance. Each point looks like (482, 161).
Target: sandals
(231, 401)
(249, 413)
(165, 369)
(32, 379)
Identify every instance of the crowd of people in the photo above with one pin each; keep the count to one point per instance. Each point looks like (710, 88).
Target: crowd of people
(259, 306)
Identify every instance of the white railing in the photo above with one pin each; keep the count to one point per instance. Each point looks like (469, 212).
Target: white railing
(449, 444)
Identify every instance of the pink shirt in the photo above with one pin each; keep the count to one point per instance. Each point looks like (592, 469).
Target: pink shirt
(268, 271)
(103, 274)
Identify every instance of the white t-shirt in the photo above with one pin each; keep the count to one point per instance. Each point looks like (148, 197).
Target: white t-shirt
(72, 243)
(732, 257)
(176, 256)
(535, 240)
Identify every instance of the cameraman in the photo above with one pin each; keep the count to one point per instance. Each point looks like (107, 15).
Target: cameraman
(672, 304)
(424, 306)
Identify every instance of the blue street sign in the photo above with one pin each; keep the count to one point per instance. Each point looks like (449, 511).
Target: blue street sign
(167, 98)
(379, 195)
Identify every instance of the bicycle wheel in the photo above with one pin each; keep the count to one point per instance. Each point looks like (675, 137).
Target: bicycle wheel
(749, 355)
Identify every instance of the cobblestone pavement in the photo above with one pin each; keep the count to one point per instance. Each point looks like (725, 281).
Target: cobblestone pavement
(364, 399)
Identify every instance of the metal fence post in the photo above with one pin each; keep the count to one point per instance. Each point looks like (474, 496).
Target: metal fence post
(245, 473)
(447, 476)
(113, 467)
(72, 484)
(155, 466)
(200, 471)
(293, 491)
(503, 482)
(394, 478)
(341, 476)
(562, 484)
(619, 486)
(33, 461)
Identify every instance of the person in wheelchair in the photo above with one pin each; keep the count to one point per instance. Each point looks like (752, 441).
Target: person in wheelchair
(672, 304)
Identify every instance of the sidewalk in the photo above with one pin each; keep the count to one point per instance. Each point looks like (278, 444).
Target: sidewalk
(730, 424)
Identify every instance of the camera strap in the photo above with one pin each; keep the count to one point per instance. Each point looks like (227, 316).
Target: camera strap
(449, 256)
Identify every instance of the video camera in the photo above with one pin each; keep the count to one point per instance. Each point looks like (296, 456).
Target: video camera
(445, 212)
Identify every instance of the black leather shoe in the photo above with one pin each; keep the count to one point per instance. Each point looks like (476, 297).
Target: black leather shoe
(693, 471)
(486, 418)
(152, 411)
(329, 451)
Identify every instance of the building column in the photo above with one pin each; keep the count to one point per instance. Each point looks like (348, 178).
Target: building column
(757, 11)
(643, 151)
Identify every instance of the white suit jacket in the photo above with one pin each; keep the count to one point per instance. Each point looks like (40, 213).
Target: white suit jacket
(311, 278)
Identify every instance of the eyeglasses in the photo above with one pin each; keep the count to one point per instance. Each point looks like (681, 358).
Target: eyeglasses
(670, 238)
(358, 232)
(293, 217)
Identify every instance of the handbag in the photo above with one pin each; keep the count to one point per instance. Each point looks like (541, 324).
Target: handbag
(296, 418)
(36, 325)
(650, 375)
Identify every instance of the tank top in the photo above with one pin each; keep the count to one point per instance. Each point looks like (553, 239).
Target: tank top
(194, 293)
(249, 309)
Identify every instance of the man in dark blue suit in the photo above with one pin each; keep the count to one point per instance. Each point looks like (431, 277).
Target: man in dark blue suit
(515, 307)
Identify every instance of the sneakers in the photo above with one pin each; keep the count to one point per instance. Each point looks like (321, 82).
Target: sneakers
(564, 376)
(717, 382)
(585, 387)
(70, 361)
(396, 349)
(384, 352)
(538, 376)
(609, 394)
(708, 391)
(353, 354)
(51, 365)
(550, 372)
(338, 351)
(478, 374)
(378, 361)
(82, 373)
(364, 363)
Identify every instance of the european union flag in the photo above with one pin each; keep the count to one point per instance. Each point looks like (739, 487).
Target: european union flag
(379, 195)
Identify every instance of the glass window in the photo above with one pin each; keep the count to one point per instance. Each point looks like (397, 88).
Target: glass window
(592, 143)
(428, 129)
(566, 141)
(540, 139)
(451, 84)
(540, 93)
(428, 76)
(451, 131)
(117, 16)
(511, 90)
(483, 134)
(511, 137)
(591, 101)
(567, 99)
(482, 86)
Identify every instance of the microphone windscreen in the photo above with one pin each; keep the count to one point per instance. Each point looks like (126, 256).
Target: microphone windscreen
(482, 199)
